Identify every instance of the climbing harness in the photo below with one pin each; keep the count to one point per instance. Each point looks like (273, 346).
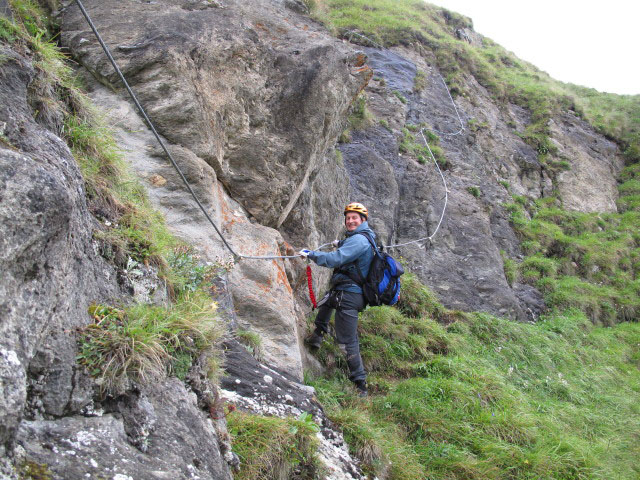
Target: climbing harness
(186, 182)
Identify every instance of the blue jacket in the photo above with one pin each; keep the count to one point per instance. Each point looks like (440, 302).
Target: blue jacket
(353, 248)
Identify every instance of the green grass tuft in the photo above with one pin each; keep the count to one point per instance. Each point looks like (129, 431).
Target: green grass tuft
(141, 343)
(271, 447)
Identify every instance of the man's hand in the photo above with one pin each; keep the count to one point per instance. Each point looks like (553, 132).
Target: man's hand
(304, 252)
(335, 243)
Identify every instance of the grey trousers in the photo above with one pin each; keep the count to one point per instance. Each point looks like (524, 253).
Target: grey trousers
(347, 305)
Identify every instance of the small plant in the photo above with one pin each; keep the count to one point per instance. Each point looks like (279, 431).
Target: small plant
(510, 268)
(475, 125)
(345, 136)
(251, 341)
(419, 81)
(400, 97)
(505, 184)
(384, 124)
(361, 117)
(475, 191)
(138, 343)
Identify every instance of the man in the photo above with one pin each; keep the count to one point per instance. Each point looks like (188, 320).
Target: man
(353, 253)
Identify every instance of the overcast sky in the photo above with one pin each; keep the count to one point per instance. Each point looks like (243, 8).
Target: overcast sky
(594, 44)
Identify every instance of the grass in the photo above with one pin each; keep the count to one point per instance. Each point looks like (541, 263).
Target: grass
(487, 398)
(412, 144)
(583, 260)
(142, 343)
(361, 117)
(251, 341)
(271, 447)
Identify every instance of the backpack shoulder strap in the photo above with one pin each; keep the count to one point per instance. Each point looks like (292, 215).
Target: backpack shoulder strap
(373, 244)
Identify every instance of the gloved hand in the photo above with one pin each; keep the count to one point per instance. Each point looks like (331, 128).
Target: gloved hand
(304, 252)
(335, 243)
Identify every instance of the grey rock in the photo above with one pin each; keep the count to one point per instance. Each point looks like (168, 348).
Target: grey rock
(262, 113)
(264, 390)
(590, 183)
(181, 444)
(398, 72)
(50, 271)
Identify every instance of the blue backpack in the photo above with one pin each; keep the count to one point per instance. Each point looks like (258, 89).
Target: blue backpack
(382, 285)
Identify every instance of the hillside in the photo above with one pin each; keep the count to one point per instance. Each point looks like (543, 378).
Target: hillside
(136, 344)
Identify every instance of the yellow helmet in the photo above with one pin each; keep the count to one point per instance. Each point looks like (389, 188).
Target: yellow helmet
(358, 208)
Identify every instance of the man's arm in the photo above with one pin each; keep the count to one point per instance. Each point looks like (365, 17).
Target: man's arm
(351, 249)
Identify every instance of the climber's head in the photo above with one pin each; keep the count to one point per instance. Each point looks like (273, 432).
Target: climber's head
(354, 215)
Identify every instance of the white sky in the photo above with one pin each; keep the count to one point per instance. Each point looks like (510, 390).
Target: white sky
(589, 43)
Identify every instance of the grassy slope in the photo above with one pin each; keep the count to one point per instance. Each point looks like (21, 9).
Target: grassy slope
(487, 398)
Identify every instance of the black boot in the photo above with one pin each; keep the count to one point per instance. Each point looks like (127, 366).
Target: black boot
(361, 386)
(314, 340)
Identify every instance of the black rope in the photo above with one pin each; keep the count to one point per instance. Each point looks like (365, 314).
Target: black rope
(153, 129)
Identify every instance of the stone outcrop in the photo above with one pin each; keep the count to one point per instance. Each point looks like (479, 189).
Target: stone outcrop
(251, 98)
(463, 263)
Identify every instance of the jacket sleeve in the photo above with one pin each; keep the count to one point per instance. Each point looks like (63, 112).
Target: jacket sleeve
(351, 249)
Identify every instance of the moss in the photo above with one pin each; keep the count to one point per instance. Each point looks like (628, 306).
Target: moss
(30, 470)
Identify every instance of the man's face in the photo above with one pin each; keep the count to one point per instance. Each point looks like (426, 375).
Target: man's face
(352, 220)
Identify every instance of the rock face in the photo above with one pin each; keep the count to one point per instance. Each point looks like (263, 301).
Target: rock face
(158, 434)
(261, 390)
(464, 263)
(252, 98)
(50, 272)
